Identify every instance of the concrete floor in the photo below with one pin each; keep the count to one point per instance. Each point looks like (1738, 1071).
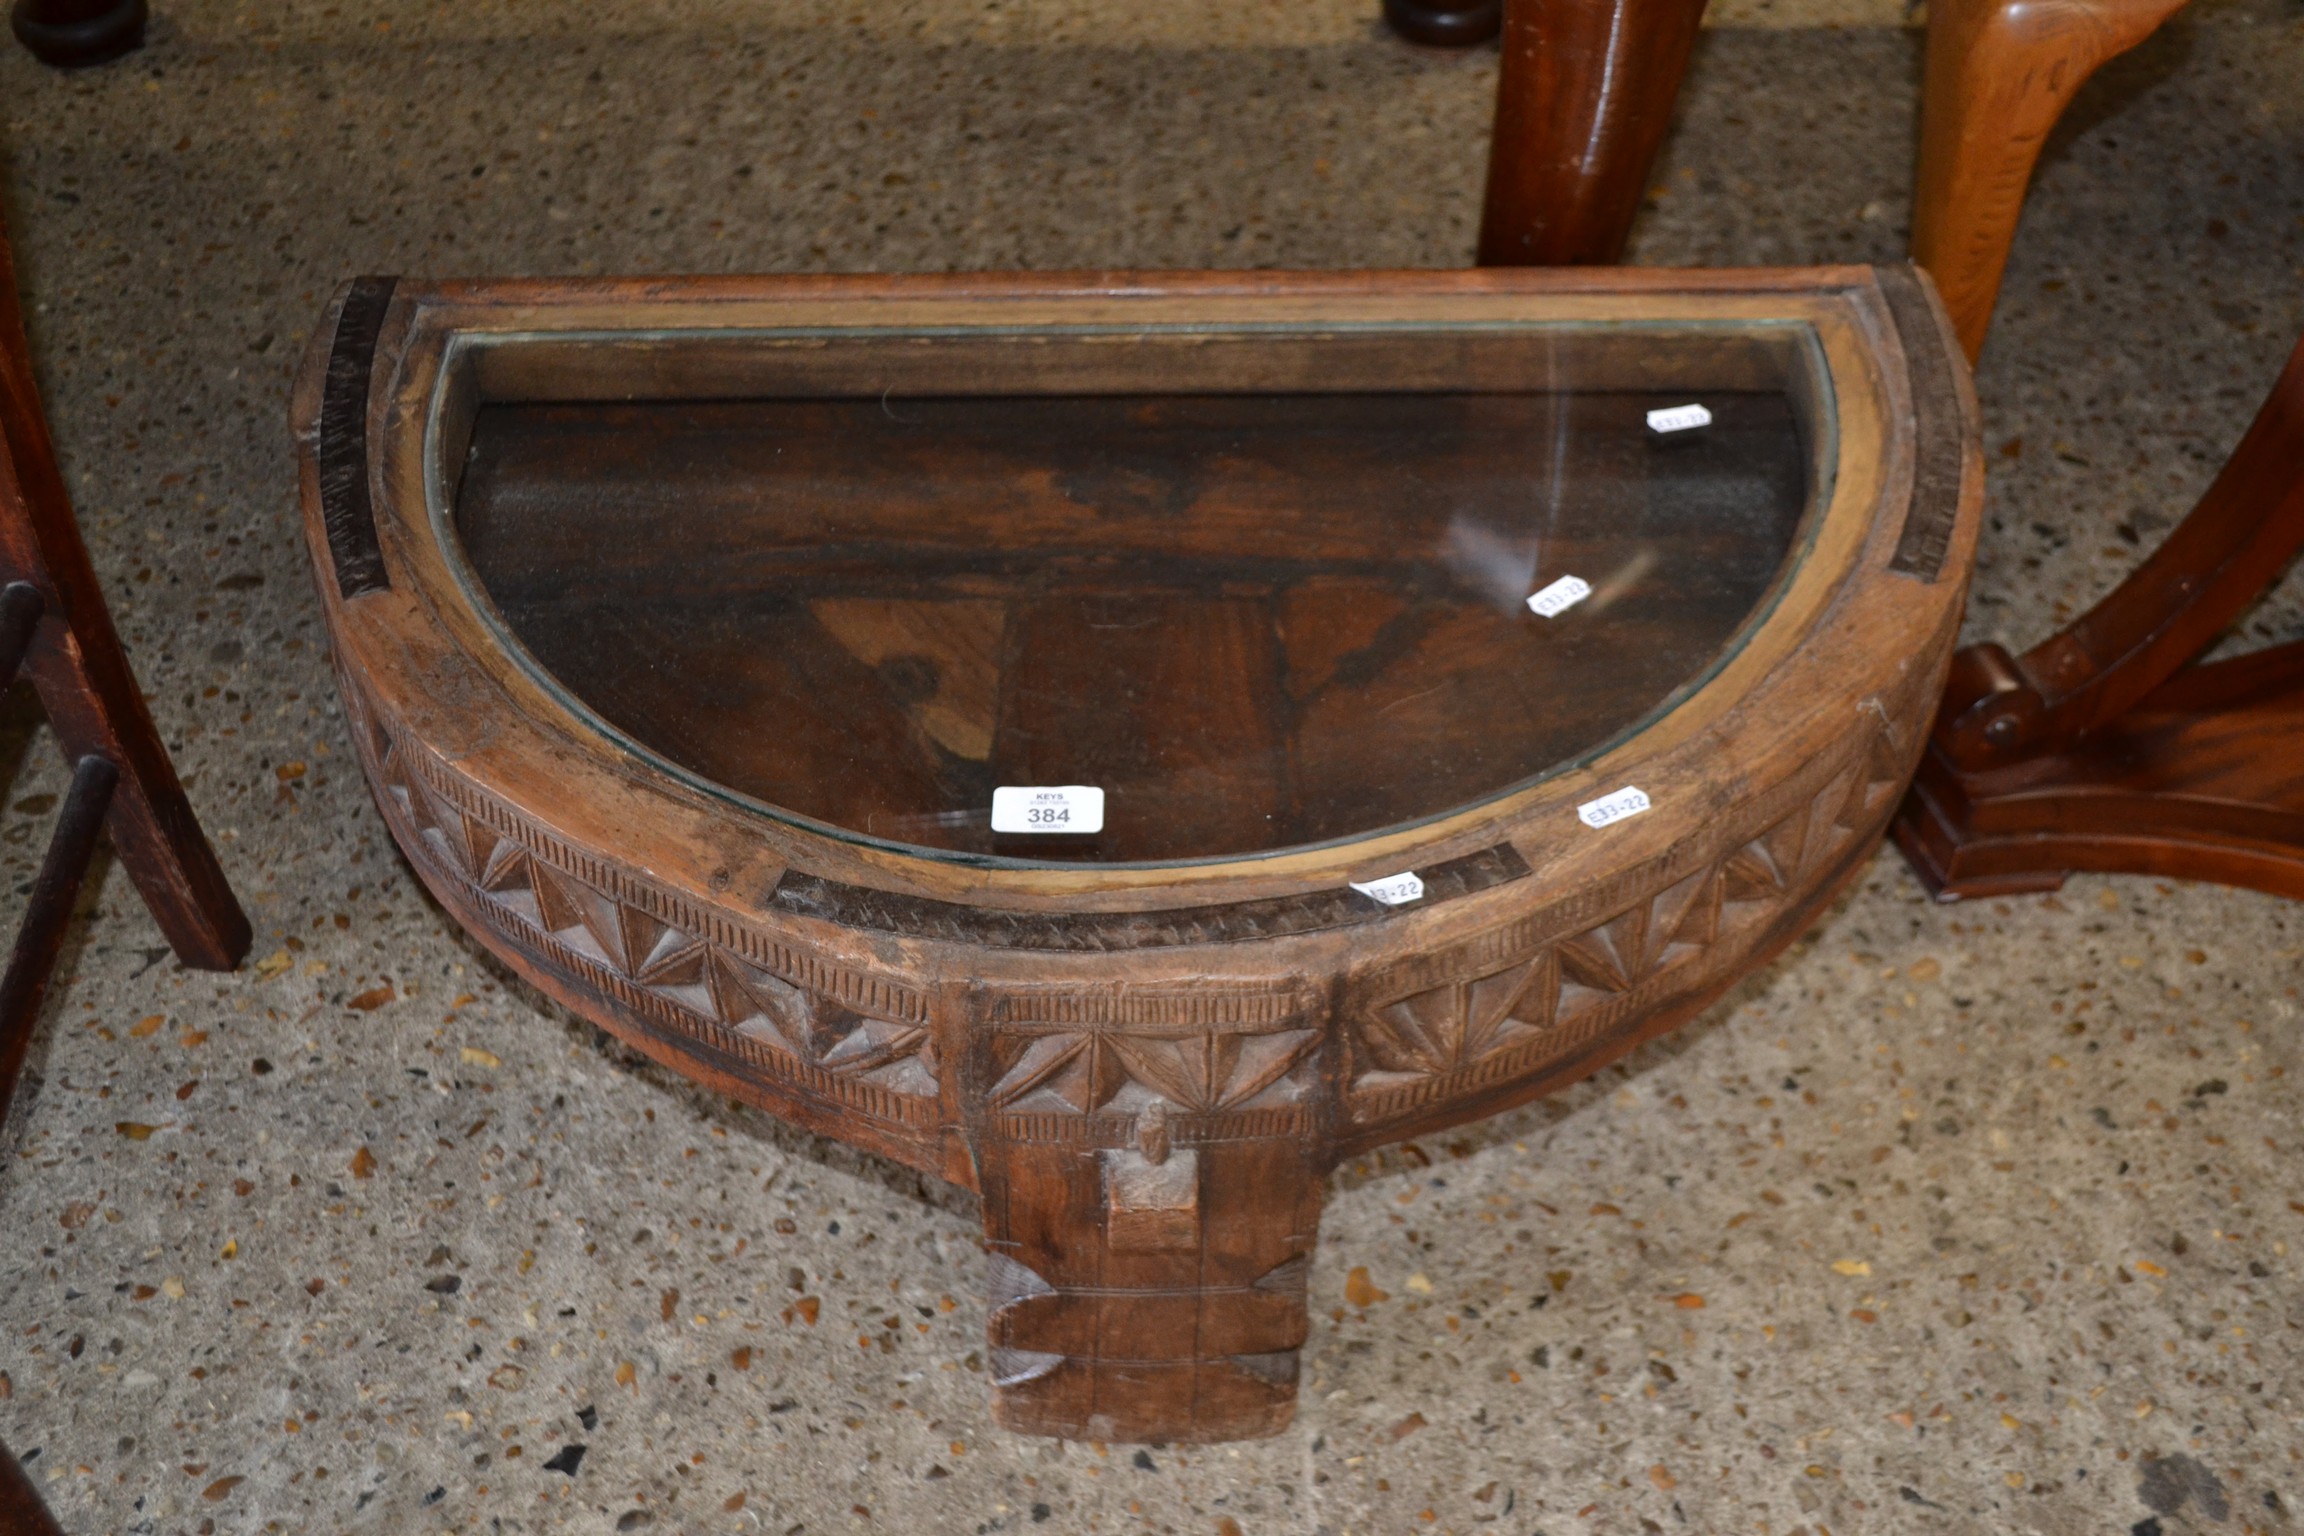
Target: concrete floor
(1997, 1212)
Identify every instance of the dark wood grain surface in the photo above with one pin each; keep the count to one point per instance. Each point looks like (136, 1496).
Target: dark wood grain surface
(1254, 621)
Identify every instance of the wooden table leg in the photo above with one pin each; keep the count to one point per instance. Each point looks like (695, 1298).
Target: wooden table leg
(2101, 748)
(73, 33)
(1999, 74)
(1153, 1292)
(1582, 106)
(1152, 1181)
(1445, 23)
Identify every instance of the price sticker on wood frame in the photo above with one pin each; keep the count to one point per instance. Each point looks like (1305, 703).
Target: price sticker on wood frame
(1610, 809)
(1675, 419)
(1559, 597)
(1074, 809)
(1393, 890)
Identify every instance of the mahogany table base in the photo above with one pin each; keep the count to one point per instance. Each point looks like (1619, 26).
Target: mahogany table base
(2200, 781)
(1586, 93)
(2102, 749)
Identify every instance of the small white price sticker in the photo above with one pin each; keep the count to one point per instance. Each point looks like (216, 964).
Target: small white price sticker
(1559, 597)
(1678, 418)
(1609, 809)
(1393, 890)
(1073, 808)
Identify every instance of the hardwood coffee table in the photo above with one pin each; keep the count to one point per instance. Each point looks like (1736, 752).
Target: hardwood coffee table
(705, 640)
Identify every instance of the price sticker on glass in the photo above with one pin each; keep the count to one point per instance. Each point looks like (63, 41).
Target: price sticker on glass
(1559, 597)
(1077, 809)
(1678, 418)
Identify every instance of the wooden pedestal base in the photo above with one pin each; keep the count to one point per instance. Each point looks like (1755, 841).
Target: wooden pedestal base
(2182, 785)
(2102, 749)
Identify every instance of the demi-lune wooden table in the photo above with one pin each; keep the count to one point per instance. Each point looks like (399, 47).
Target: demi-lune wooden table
(1091, 738)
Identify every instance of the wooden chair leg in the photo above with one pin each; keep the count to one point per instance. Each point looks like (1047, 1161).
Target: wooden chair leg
(1999, 75)
(1582, 106)
(2101, 748)
(76, 663)
(21, 1511)
(49, 914)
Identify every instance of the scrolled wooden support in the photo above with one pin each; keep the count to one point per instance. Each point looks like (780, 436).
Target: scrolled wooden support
(2108, 746)
(2245, 530)
(1999, 75)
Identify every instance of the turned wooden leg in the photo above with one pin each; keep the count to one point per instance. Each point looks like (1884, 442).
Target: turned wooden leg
(1445, 23)
(2000, 73)
(72, 33)
(1582, 104)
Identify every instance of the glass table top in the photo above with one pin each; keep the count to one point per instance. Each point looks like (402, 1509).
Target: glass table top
(1253, 621)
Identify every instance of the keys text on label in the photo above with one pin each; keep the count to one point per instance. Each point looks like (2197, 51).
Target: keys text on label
(1074, 809)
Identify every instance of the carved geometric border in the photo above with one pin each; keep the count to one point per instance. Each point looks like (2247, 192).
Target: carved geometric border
(1141, 1007)
(1229, 1058)
(712, 935)
(1502, 1005)
(1291, 1122)
(1422, 1033)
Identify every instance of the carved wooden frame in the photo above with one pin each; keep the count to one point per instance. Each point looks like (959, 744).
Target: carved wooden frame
(1145, 1070)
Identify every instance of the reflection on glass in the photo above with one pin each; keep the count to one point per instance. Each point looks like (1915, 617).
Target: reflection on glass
(1254, 621)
